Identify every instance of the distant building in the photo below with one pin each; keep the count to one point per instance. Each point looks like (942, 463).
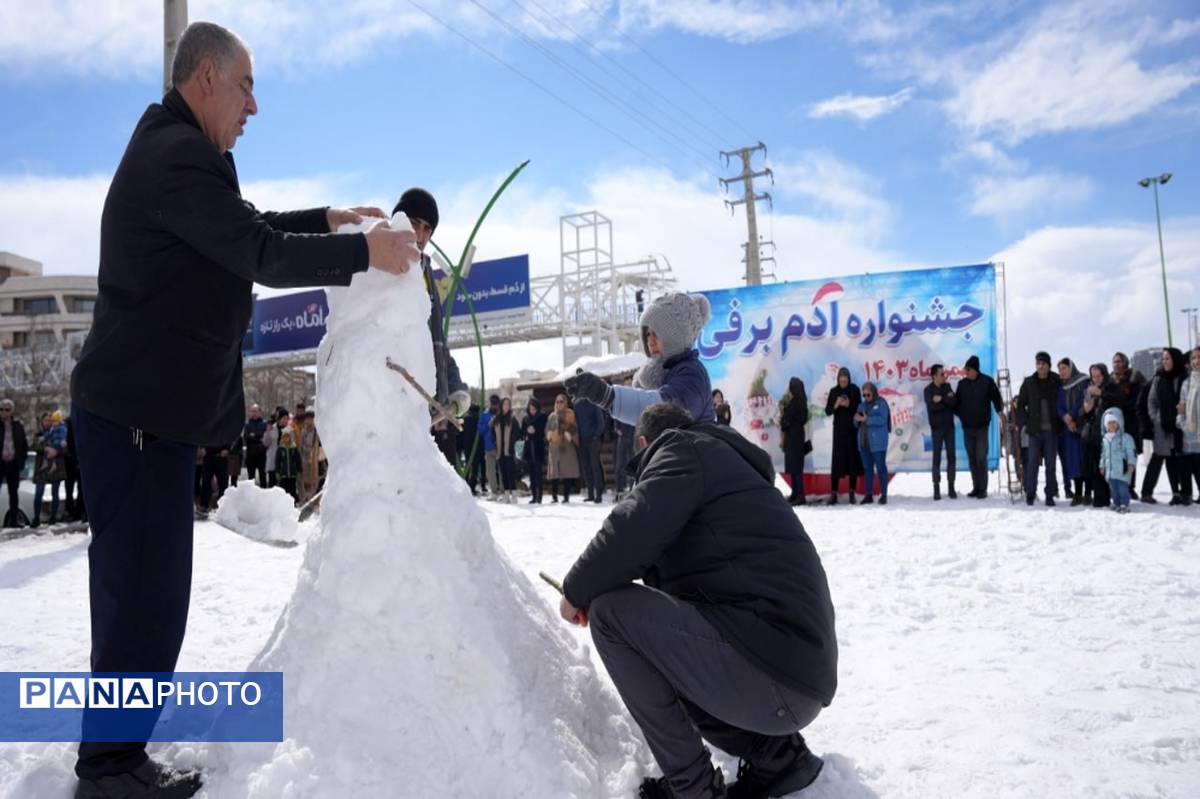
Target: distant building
(39, 310)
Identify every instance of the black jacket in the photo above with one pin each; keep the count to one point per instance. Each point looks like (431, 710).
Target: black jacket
(20, 442)
(976, 400)
(792, 422)
(449, 380)
(179, 252)
(253, 434)
(535, 442)
(941, 414)
(705, 523)
(1130, 389)
(1029, 402)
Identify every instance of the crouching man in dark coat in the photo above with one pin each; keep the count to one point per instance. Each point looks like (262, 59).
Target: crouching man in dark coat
(730, 638)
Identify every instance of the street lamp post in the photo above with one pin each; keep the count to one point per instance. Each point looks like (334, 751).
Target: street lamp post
(1145, 183)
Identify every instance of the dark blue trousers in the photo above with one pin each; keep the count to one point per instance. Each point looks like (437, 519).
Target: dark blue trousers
(139, 499)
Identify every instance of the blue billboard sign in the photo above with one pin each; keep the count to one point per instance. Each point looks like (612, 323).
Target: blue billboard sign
(287, 323)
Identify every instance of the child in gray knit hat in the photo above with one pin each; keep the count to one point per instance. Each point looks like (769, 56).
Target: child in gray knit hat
(670, 326)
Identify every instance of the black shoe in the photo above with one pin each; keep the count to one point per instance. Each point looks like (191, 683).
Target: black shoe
(1029, 501)
(950, 492)
(832, 500)
(556, 499)
(801, 770)
(1149, 499)
(659, 788)
(883, 500)
(1050, 502)
(937, 492)
(800, 500)
(852, 500)
(1175, 500)
(981, 495)
(1076, 500)
(1070, 493)
(868, 500)
(148, 781)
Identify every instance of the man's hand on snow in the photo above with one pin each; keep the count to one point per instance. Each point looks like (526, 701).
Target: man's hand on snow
(460, 403)
(391, 250)
(586, 385)
(336, 217)
(571, 613)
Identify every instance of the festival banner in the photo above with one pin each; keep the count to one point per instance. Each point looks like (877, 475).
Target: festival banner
(287, 323)
(499, 291)
(888, 328)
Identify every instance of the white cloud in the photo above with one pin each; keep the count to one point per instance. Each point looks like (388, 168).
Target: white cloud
(1069, 68)
(861, 107)
(1086, 292)
(1011, 197)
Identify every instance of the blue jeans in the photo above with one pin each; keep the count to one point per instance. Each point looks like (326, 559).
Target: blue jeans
(1120, 492)
(874, 462)
(40, 489)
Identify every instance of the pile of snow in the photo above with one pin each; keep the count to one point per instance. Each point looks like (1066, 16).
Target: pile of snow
(605, 365)
(417, 660)
(264, 514)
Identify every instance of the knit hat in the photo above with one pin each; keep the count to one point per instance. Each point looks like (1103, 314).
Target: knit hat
(1042, 357)
(417, 203)
(677, 320)
(972, 363)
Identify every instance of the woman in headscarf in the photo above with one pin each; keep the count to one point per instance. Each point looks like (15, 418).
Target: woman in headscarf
(874, 424)
(1188, 421)
(793, 416)
(721, 407)
(844, 399)
(1070, 443)
(562, 453)
(506, 431)
(1162, 401)
(533, 428)
(1100, 395)
(670, 326)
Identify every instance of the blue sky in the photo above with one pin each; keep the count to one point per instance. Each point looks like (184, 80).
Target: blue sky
(900, 135)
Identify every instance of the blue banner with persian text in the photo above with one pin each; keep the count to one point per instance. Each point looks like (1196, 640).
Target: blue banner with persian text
(499, 289)
(287, 323)
(888, 328)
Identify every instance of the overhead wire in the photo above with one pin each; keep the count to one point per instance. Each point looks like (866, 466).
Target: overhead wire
(562, 100)
(716, 141)
(603, 92)
(667, 69)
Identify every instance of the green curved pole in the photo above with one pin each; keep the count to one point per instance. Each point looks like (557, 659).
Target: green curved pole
(456, 281)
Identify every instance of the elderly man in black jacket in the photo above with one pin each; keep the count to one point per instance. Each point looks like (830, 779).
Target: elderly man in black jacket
(1037, 405)
(731, 636)
(161, 371)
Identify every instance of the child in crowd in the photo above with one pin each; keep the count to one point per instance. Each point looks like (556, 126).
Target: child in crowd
(1117, 458)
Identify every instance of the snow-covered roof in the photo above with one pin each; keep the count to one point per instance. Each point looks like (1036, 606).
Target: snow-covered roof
(605, 365)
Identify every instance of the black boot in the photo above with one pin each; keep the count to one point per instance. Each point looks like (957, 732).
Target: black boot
(850, 497)
(792, 769)
(832, 499)
(950, 491)
(659, 788)
(937, 491)
(150, 779)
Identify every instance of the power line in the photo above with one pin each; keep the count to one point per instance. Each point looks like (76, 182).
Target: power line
(717, 142)
(545, 89)
(667, 69)
(597, 88)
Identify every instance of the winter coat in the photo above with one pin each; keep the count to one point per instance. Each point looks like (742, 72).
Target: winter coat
(1130, 388)
(792, 419)
(51, 469)
(724, 414)
(973, 400)
(562, 455)
(180, 252)
(873, 434)
(844, 459)
(1117, 452)
(1188, 422)
(1162, 397)
(1091, 427)
(1030, 399)
(485, 429)
(591, 421)
(706, 524)
(271, 441)
(506, 433)
(685, 381)
(535, 442)
(470, 432)
(253, 434)
(20, 442)
(941, 414)
(287, 463)
(1070, 401)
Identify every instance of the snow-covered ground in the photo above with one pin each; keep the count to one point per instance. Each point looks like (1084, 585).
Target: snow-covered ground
(987, 649)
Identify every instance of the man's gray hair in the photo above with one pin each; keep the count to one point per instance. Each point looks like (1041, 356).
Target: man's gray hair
(203, 40)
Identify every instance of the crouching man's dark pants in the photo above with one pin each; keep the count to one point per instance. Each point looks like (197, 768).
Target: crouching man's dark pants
(139, 501)
(681, 681)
